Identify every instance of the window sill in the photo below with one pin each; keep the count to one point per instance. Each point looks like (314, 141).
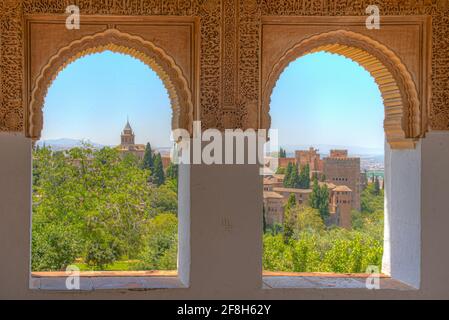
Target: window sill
(284, 280)
(108, 280)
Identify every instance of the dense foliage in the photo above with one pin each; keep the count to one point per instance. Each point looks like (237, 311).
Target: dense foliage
(296, 178)
(95, 208)
(282, 153)
(100, 211)
(305, 244)
(319, 199)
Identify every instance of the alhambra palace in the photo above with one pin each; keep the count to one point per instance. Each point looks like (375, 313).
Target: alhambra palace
(219, 61)
(341, 176)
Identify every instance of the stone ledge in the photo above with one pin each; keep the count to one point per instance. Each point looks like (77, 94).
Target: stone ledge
(320, 274)
(331, 281)
(91, 283)
(116, 274)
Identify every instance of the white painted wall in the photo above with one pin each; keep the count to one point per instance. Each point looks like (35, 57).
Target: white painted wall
(402, 238)
(226, 230)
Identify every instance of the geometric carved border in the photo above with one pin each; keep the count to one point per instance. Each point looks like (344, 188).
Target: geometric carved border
(403, 113)
(114, 40)
(231, 34)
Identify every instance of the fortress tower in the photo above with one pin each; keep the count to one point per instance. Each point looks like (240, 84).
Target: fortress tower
(342, 170)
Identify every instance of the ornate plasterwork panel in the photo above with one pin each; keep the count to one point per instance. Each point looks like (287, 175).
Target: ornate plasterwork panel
(229, 90)
(167, 45)
(14, 105)
(437, 10)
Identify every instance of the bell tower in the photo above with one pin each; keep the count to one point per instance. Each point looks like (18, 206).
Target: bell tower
(127, 137)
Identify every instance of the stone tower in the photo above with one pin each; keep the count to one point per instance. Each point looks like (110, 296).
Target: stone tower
(342, 198)
(127, 137)
(342, 170)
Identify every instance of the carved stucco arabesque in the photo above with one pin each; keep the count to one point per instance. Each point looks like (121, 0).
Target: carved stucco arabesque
(230, 49)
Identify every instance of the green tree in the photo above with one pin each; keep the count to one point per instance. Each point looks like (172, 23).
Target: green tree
(314, 199)
(54, 246)
(289, 218)
(324, 202)
(308, 220)
(304, 178)
(288, 175)
(276, 253)
(161, 242)
(92, 205)
(295, 178)
(304, 254)
(158, 176)
(282, 153)
(148, 158)
(365, 178)
(173, 171)
(323, 177)
(319, 199)
(280, 170)
(376, 186)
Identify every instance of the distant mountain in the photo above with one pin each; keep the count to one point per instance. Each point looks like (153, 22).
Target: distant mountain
(324, 149)
(65, 143)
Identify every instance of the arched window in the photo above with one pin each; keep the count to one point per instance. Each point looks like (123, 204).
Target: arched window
(329, 114)
(104, 187)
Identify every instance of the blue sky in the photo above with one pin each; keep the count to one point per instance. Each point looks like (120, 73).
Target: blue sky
(92, 98)
(324, 98)
(319, 99)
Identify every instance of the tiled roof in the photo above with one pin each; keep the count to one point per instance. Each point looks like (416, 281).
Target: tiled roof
(342, 189)
(272, 195)
(291, 190)
(268, 181)
(328, 184)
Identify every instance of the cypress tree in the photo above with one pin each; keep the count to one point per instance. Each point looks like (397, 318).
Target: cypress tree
(291, 203)
(377, 186)
(304, 177)
(148, 158)
(172, 171)
(324, 203)
(365, 177)
(307, 177)
(295, 179)
(319, 199)
(288, 222)
(282, 153)
(314, 199)
(288, 175)
(158, 176)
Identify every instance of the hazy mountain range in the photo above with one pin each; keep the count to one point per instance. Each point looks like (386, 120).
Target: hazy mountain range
(370, 157)
(67, 143)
